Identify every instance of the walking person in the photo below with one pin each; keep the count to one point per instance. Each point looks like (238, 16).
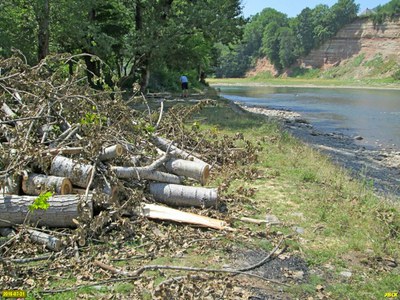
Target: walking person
(185, 85)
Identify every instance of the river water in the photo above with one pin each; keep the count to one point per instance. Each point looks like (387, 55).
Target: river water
(373, 114)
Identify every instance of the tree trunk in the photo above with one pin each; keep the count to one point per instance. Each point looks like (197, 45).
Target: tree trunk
(48, 240)
(191, 169)
(62, 209)
(43, 17)
(153, 211)
(140, 173)
(180, 195)
(34, 184)
(111, 152)
(145, 75)
(79, 174)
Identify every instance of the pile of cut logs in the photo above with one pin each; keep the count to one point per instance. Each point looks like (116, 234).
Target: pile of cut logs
(42, 150)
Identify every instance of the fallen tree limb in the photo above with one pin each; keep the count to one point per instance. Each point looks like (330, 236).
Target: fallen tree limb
(78, 173)
(153, 211)
(69, 150)
(143, 269)
(48, 240)
(144, 173)
(30, 259)
(25, 119)
(259, 264)
(111, 268)
(254, 221)
(111, 152)
(192, 169)
(34, 184)
(181, 195)
(61, 212)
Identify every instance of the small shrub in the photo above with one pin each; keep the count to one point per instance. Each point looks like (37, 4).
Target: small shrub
(396, 75)
(358, 60)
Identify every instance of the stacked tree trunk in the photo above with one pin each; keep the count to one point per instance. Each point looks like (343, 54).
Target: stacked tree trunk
(69, 180)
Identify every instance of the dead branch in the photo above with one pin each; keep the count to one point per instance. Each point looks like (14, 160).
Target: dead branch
(143, 269)
(259, 264)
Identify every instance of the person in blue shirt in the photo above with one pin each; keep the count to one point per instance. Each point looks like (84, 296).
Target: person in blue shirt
(185, 85)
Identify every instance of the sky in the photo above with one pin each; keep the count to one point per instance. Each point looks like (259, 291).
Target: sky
(293, 7)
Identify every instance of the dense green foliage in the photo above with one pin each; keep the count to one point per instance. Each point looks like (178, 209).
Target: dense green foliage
(135, 38)
(387, 11)
(281, 39)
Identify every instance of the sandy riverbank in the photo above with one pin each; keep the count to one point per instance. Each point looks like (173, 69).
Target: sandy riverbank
(382, 166)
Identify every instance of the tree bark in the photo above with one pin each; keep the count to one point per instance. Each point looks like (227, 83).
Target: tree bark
(191, 169)
(180, 195)
(140, 173)
(43, 17)
(62, 209)
(79, 174)
(48, 240)
(111, 152)
(34, 184)
(153, 211)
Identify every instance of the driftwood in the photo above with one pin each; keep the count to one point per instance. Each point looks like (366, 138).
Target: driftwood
(191, 169)
(34, 184)
(180, 195)
(78, 173)
(153, 211)
(145, 173)
(111, 152)
(61, 212)
(48, 240)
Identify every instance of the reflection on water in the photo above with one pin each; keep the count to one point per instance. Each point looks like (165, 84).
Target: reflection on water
(372, 114)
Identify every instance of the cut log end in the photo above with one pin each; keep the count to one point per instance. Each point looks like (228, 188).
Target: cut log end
(119, 150)
(206, 174)
(66, 187)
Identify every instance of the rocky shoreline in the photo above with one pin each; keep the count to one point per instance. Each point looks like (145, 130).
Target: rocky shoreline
(380, 166)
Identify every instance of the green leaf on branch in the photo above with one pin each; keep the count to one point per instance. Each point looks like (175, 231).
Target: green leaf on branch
(41, 202)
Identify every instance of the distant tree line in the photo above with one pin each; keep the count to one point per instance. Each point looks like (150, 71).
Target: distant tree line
(283, 40)
(139, 40)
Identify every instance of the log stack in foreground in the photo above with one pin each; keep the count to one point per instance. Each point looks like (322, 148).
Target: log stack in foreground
(60, 136)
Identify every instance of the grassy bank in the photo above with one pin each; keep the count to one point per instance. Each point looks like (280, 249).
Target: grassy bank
(309, 82)
(342, 226)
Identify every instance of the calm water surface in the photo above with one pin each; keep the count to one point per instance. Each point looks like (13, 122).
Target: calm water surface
(372, 114)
